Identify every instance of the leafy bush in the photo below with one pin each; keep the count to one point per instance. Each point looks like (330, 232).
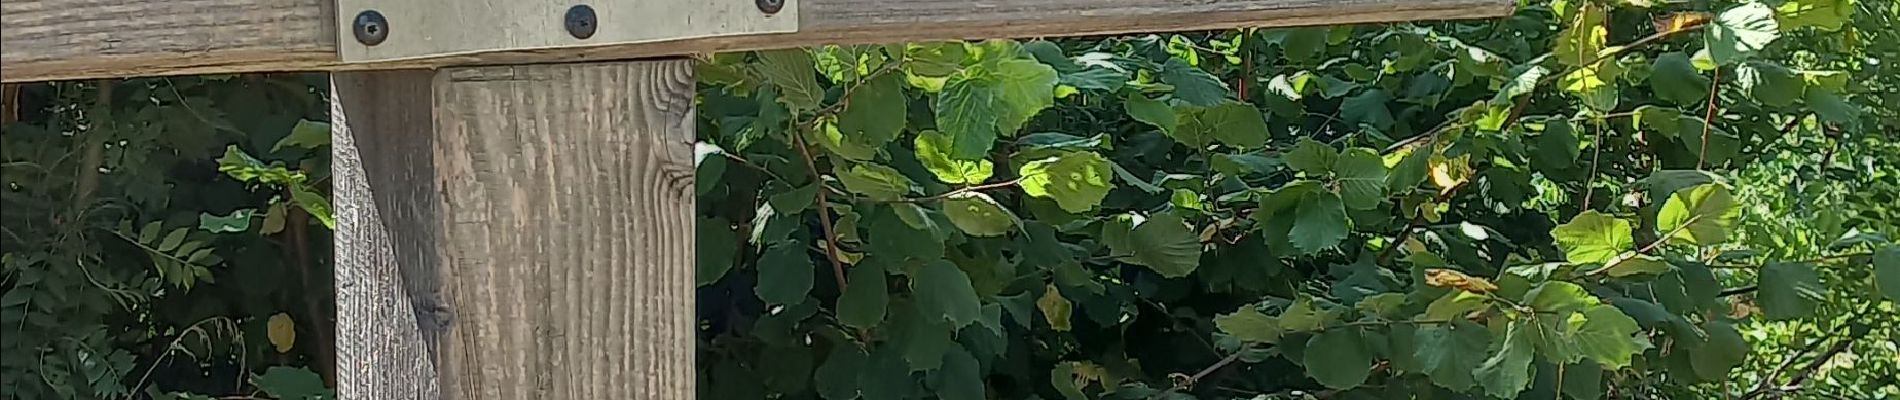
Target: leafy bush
(1625, 200)
(1585, 199)
(148, 253)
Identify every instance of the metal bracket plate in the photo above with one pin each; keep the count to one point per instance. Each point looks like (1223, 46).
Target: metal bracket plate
(411, 29)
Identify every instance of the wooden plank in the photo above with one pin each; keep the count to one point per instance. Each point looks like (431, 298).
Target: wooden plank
(73, 39)
(441, 27)
(516, 232)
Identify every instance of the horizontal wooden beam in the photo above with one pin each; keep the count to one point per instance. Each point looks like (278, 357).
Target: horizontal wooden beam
(79, 39)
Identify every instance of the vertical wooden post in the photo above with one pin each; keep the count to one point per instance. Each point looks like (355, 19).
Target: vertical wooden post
(515, 232)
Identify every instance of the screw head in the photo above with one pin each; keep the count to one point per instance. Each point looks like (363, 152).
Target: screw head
(770, 6)
(581, 22)
(370, 27)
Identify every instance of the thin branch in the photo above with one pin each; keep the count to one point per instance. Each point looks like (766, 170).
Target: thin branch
(1190, 380)
(1708, 120)
(961, 190)
(824, 212)
(1739, 290)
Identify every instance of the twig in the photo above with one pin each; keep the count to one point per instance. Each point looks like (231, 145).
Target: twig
(824, 212)
(1708, 120)
(1191, 379)
(961, 190)
(1736, 291)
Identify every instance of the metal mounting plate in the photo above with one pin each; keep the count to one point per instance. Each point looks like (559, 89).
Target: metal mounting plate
(434, 28)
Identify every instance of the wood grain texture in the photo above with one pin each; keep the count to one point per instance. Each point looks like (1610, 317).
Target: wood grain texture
(283, 35)
(541, 225)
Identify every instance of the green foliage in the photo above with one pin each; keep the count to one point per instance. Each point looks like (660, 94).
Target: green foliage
(152, 229)
(1571, 200)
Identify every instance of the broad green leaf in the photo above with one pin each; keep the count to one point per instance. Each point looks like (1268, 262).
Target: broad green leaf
(864, 300)
(852, 147)
(1151, 112)
(967, 112)
(1521, 84)
(1410, 170)
(1593, 237)
(978, 215)
(1234, 124)
(1827, 15)
(791, 70)
(1304, 316)
(1674, 79)
(1887, 271)
(291, 383)
(1559, 297)
(935, 59)
(1699, 215)
(1771, 84)
(717, 244)
(1026, 88)
(923, 337)
(1191, 84)
(943, 291)
(874, 113)
(985, 102)
(1508, 370)
(238, 221)
(876, 182)
(1450, 352)
(1740, 32)
(886, 375)
(1583, 381)
(961, 377)
(1076, 181)
(1164, 243)
(313, 203)
(306, 134)
(1055, 309)
(837, 378)
(1583, 38)
(933, 151)
(1789, 290)
(1723, 350)
(1609, 337)
(1831, 108)
(1633, 264)
(1312, 157)
(1362, 178)
(1367, 108)
(1338, 358)
(785, 274)
(890, 234)
(1250, 325)
(1320, 222)
(1595, 86)
(1455, 305)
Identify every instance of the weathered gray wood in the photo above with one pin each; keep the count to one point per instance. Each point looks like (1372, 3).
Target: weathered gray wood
(518, 232)
(72, 39)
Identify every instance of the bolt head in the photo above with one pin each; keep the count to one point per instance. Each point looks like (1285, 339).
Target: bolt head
(770, 6)
(581, 21)
(370, 28)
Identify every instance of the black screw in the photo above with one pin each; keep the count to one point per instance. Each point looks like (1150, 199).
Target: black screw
(370, 28)
(581, 22)
(770, 6)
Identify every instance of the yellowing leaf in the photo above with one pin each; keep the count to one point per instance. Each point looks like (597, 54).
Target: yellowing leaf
(1055, 308)
(283, 332)
(1449, 278)
(1448, 173)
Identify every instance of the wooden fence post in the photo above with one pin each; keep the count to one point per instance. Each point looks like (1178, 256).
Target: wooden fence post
(515, 232)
